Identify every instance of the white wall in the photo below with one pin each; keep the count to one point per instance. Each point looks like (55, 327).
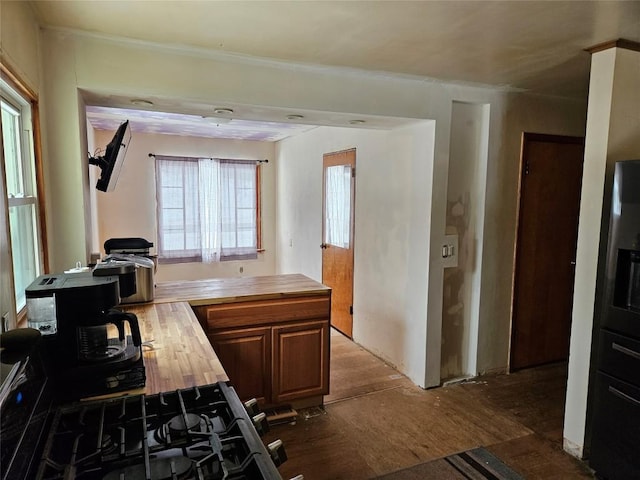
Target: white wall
(465, 218)
(130, 210)
(392, 192)
(19, 45)
(64, 157)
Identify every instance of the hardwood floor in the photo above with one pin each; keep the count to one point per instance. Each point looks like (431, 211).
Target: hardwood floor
(376, 421)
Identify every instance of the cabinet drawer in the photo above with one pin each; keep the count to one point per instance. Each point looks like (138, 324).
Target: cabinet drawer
(264, 312)
(616, 429)
(619, 356)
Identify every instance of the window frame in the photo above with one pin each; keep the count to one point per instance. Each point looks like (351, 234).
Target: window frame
(198, 258)
(30, 97)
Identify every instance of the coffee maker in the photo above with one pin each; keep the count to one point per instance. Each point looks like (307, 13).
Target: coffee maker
(92, 347)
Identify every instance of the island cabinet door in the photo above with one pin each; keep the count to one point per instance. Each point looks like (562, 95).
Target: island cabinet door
(245, 355)
(300, 360)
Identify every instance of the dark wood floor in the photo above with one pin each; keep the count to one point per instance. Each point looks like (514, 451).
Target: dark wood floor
(376, 421)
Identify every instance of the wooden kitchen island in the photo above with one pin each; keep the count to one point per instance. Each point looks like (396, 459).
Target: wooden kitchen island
(270, 337)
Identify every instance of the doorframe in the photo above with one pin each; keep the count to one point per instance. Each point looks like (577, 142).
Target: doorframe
(525, 136)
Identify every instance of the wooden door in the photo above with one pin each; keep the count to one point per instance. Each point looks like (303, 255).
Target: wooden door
(300, 360)
(245, 355)
(550, 187)
(337, 234)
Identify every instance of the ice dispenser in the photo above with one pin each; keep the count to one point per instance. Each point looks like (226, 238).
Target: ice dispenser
(627, 282)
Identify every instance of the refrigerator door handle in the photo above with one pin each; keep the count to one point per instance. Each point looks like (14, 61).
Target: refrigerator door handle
(625, 350)
(624, 396)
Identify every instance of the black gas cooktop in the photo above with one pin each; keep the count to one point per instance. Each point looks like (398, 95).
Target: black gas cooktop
(197, 433)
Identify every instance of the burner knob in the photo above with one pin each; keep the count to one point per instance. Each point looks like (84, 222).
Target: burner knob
(251, 406)
(261, 423)
(276, 450)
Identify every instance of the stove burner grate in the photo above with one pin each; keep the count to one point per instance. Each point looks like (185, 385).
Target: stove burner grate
(169, 468)
(201, 433)
(179, 427)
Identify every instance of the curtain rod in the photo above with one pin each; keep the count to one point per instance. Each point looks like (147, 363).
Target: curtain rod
(266, 160)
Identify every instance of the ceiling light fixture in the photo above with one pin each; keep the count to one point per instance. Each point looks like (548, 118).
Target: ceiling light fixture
(222, 111)
(295, 117)
(217, 120)
(356, 122)
(139, 102)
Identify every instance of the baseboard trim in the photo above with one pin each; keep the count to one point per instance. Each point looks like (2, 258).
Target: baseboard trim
(573, 449)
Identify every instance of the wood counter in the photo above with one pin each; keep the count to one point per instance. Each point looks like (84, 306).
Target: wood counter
(177, 353)
(242, 289)
(271, 333)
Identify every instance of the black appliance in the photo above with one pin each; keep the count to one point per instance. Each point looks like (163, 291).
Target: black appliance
(616, 388)
(89, 349)
(25, 400)
(197, 433)
(128, 245)
(190, 434)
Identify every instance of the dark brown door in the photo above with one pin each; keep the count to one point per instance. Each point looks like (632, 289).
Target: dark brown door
(550, 188)
(337, 235)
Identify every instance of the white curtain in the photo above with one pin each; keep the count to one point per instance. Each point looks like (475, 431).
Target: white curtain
(210, 228)
(338, 205)
(177, 197)
(206, 209)
(238, 209)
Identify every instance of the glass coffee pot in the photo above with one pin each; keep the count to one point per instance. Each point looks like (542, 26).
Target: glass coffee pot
(105, 338)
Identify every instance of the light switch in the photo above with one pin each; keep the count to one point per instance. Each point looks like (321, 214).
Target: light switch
(450, 251)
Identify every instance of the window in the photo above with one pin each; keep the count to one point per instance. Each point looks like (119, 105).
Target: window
(21, 188)
(338, 205)
(208, 209)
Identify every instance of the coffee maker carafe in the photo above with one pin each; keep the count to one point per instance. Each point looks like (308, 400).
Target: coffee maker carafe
(95, 342)
(93, 347)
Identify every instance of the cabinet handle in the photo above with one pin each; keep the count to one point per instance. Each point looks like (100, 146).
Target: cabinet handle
(625, 350)
(624, 396)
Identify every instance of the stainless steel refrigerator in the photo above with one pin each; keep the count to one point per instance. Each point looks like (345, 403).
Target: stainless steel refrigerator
(615, 389)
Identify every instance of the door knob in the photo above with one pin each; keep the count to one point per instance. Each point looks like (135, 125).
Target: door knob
(323, 245)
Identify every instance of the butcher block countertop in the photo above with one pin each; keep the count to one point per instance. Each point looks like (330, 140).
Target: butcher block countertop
(228, 290)
(177, 353)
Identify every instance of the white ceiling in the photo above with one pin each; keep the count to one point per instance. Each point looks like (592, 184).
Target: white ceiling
(167, 123)
(535, 46)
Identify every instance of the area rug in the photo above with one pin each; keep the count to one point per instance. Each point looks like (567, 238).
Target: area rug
(476, 464)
